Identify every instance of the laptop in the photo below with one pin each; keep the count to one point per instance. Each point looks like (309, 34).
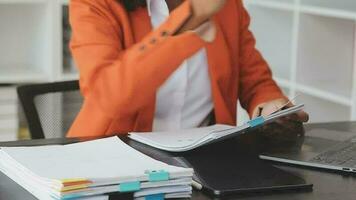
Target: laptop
(320, 148)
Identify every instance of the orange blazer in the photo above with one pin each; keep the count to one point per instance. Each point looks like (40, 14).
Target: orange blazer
(122, 63)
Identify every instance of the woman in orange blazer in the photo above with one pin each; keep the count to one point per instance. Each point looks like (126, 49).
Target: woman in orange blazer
(123, 61)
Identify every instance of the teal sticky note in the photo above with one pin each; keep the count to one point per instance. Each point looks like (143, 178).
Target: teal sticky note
(155, 197)
(256, 122)
(160, 175)
(71, 196)
(130, 186)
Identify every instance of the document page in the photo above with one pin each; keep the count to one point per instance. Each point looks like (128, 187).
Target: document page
(104, 159)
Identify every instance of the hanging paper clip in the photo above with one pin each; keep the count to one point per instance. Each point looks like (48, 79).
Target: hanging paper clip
(130, 186)
(160, 175)
(155, 197)
(256, 122)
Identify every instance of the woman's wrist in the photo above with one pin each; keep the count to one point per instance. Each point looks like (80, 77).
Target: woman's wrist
(202, 11)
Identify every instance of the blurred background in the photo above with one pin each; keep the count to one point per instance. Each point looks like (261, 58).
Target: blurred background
(309, 44)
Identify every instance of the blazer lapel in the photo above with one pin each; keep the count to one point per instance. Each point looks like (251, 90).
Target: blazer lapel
(221, 71)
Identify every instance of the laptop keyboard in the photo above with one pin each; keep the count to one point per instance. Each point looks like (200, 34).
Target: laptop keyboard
(343, 154)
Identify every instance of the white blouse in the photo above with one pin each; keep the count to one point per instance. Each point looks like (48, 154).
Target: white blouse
(185, 99)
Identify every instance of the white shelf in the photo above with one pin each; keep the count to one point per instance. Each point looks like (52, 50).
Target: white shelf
(332, 97)
(9, 121)
(324, 95)
(283, 82)
(22, 1)
(30, 49)
(344, 9)
(323, 52)
(287, 5)
(8, 135)
(336, 8)
(22, 76)
(70, 76)
(274, 44)
(321, 110)
(64, 2)
(327, 12)
(7, 94)
(24, 50)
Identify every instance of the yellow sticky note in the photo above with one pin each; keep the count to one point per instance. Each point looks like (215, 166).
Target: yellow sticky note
(71, 180)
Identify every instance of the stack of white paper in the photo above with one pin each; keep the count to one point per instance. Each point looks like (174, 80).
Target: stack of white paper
(9, 121)
(92, 168)
(184, 140)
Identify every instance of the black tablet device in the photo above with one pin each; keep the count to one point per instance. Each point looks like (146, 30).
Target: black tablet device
(230, 167)
(224, 175)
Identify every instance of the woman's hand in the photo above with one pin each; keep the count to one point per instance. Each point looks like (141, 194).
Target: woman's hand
(270, 107)
(205, 9)
(286, 131)
(202, 10)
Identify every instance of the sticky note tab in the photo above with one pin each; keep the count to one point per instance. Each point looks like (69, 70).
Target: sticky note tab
(74, 187)
(155, 197)
(160, 175)
(256, 122)
(71, 180)
(71, 196)
(130, 186)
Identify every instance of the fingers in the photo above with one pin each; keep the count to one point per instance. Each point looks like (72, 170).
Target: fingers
(258, 111)
(267, 110)
(303, 116)
(300, 116)
(270, 107)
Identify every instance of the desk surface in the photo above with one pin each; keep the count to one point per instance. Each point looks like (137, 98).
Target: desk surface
(327, 185)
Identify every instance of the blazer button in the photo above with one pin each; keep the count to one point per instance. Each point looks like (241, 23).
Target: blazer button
(164, 33)
(142, 48)
(153, 40)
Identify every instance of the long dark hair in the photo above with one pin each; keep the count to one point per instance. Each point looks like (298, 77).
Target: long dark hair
(131, 5)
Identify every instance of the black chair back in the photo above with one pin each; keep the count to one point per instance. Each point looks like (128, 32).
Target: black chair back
(50, 108)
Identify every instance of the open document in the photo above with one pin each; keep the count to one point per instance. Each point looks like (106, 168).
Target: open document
(184, 140)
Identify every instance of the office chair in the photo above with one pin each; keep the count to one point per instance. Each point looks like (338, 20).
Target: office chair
(50, 108)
